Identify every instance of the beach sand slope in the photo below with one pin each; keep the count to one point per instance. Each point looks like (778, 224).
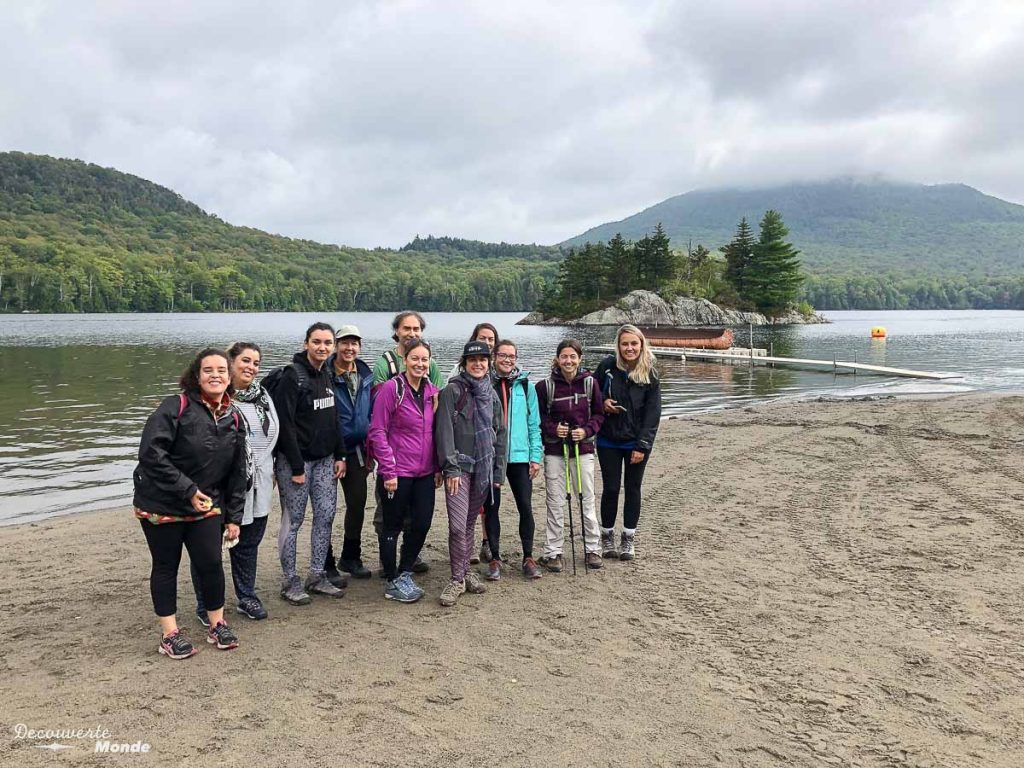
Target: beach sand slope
(832, 583)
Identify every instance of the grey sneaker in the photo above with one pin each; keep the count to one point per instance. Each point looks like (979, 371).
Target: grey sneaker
(451, 592)
(494, 570)
(608, 549)
(337, 578)
(292, 592)
(626, 546)
(319, 584)
(410, 583)
(474, 584)
(401, 591)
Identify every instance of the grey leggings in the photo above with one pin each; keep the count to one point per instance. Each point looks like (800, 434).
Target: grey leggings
(321, 489)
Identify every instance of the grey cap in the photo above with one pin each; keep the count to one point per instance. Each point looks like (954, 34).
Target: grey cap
(345, 331)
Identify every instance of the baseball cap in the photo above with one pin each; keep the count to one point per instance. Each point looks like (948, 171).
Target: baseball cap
(346, 331)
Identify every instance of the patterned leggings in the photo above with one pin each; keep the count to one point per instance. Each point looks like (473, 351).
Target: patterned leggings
(463, 509)
(320, 488)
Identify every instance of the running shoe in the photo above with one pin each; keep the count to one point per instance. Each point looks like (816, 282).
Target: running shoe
(474, 584)
(252, 607)
(222, 636)
(176, 646)
(531, 569)
(494, 571)
(451, 593)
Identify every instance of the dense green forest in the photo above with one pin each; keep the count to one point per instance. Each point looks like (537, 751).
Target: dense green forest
(75, 237)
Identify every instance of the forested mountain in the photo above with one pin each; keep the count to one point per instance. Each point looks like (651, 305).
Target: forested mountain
(75, 237)
(865, 244)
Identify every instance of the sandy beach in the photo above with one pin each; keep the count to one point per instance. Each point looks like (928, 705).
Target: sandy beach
(829, 582)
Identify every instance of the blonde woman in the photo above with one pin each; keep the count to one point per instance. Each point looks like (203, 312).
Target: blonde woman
(632, 406)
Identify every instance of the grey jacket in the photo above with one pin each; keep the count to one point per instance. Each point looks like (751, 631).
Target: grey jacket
(455, 437)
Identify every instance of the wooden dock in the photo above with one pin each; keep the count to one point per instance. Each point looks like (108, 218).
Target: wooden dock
(760, 357)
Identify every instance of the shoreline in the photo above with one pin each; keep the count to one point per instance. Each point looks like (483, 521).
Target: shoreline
(828, 582)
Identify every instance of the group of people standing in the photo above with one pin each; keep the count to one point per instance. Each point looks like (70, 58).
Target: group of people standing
(211, 456)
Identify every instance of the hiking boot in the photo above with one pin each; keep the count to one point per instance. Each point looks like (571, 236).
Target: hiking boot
(494, 571)
(292, 592)
(222, 636)
(451, 592)
(553, 563)
(420, 566)
(175, 646)
(251, 607)
(401, 591)
(626, 546)
(608, 550)
(406, 576)
(319, 584)
(203, 616)
(336, 577)
(474, 584)
(530, 569)
(593, 560)
(354, 568)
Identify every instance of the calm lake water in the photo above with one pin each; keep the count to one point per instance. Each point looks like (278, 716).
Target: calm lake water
(75, 390)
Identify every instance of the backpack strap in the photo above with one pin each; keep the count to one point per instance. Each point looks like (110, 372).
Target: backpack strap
(392, 360)
(182, 404)
(400, 389)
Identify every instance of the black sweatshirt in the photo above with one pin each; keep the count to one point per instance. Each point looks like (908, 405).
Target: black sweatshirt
(309, 420)
(642, 402)
(178, 455)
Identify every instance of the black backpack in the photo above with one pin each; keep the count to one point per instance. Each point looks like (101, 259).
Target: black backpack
(272, 381)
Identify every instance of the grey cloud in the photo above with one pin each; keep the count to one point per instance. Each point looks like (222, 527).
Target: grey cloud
(372, 122)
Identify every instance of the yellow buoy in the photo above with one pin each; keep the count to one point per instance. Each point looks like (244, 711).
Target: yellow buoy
(878, 332)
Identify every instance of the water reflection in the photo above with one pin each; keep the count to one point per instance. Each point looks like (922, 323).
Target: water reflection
(76, 390)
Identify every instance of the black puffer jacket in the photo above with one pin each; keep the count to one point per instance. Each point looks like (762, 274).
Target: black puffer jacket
(639, 424)
(179, 454)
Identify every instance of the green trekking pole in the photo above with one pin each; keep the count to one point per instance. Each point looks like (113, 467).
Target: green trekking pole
(568, 504)
(579, 491)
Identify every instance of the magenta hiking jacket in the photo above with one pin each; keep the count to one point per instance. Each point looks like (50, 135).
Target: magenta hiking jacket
(401, 436)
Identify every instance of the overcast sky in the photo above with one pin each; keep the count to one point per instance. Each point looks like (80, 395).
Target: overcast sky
(523, 121)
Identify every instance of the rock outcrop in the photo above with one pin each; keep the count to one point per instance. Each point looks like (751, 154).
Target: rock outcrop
(648, 308)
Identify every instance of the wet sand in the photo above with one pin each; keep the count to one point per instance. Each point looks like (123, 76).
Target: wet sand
(817, 583)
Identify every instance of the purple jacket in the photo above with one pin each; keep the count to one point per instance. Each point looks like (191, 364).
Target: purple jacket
(401, 437)
(569, 404)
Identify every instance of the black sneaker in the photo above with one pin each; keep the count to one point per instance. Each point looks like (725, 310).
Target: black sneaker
(222, 637)
(252, 607)
(420, 566)
(354, 568)
(175, 646)
(204, 617)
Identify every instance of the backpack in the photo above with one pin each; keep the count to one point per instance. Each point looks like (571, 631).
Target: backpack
(549, 392)
(272, 381)
(392, 360)
(460, 404)
(183, 404)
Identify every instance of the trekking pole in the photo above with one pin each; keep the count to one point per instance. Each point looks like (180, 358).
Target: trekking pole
(579, 491)
(568, 504)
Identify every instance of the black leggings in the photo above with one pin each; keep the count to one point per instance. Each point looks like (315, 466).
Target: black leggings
(612, 461)
(353, 485)
(413, 500)
(519, 481)
(202, 539)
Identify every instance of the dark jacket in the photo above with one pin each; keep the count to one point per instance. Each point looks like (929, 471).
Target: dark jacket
(639, 424)
(309, 419)
(569, 405)
(353, 415)
(178, 455)
(455, 433)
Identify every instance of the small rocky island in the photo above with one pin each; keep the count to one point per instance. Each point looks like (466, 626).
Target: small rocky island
(648, 308)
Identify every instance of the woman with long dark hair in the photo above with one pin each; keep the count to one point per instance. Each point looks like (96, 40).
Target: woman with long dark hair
(632, 413)
(190, 486)
(401, 439)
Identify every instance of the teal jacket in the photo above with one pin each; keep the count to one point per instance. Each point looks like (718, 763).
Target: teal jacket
(522, 414)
